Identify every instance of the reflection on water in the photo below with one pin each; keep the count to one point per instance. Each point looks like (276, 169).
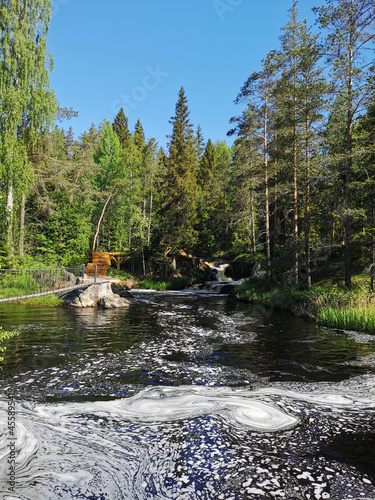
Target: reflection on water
(186, 397)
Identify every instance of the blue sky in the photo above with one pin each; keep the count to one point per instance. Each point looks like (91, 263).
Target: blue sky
(138, 53)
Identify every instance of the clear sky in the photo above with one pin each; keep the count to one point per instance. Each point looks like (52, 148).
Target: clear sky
(138, 53)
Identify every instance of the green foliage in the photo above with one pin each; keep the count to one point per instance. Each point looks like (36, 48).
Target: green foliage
(4, 335)
(178, 205)
(330, 304)
(27, 104)
(173, 284)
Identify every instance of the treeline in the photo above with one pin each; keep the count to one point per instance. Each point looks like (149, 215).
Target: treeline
(115, 190)
(296, 186)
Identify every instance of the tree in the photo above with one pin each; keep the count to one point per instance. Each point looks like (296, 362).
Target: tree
(27, 105)
(299, 101)
(257, 92)
(199, 142)
(350, 34)
(110, 178)
(177, 214)
(120, 126)
(207, 202)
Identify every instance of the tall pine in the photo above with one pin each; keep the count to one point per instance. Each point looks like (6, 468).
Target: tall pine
(178, 211)
(350, 27)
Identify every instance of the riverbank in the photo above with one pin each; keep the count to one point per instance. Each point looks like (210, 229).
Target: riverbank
(329, 304)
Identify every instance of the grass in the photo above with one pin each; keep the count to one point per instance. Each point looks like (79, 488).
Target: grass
(44, 301)
(330, 304)
(118, 273)
(173, 284)
(361, 320)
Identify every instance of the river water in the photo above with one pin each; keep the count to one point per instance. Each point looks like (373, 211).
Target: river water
(184, 396)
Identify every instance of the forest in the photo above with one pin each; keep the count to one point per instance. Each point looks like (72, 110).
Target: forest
(296, 188)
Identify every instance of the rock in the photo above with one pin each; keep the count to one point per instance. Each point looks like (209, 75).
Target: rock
(228, 289)
(217, 273)
(113, 302)
(123, 286)
(99, 294)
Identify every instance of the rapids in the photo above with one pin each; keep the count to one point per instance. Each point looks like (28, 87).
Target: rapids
(184, 396)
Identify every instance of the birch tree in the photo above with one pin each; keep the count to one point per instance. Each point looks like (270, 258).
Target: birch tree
(27, 104)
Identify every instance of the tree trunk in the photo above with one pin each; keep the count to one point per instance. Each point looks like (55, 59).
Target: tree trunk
(348, 176)
(275, 228)
(100, 221)
(22, 226)
(253, 240)
(295, 189)
(372, 242)
(307, 210)
(9, 214)
(266, 192)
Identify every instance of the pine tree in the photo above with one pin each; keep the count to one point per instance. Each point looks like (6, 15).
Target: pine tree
(199, 142)
(350, 34)
(139, 136)
(299, 100)
(257, 92)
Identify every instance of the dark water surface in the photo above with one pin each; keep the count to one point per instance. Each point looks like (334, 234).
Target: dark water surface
(185, 396)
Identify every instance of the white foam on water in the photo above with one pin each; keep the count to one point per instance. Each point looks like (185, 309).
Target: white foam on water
(128, 447)
(168, 404)
(355, 393)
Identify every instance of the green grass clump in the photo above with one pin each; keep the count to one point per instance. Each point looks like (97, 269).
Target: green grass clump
(172, 284)
(44, 301)
(4, 335)
(360, 320)
(118, 273)
(331, 305)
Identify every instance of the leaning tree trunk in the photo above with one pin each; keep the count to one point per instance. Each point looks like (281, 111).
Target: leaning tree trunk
(100, 220)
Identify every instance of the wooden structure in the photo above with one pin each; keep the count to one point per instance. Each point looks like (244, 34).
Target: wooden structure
(118, 257)
(102, 260)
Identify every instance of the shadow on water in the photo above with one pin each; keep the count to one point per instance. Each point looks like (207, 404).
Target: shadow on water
(354, 449)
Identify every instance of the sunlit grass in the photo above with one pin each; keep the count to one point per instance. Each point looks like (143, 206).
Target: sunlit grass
(44, 301)
(331, 304)
(359, 319)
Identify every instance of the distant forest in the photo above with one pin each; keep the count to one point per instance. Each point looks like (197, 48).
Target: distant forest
(297, 186)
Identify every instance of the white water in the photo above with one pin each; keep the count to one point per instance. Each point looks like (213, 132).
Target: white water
(204, 401)
(181, 443)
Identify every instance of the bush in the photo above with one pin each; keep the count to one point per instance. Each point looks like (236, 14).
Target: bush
(4, 335)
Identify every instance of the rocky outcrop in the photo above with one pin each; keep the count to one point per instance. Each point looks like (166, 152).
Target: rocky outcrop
(122, 287)
(97, 295)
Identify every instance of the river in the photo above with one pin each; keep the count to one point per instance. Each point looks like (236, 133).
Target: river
(184, 396)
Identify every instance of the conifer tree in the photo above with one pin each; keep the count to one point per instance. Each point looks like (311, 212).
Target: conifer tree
(199, 142)
(177, 216)
(350, 26)
(120, 126)
(299, 100)
(257, 91)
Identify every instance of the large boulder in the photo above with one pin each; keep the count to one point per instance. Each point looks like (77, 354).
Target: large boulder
(113, 302)
(97, 295)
